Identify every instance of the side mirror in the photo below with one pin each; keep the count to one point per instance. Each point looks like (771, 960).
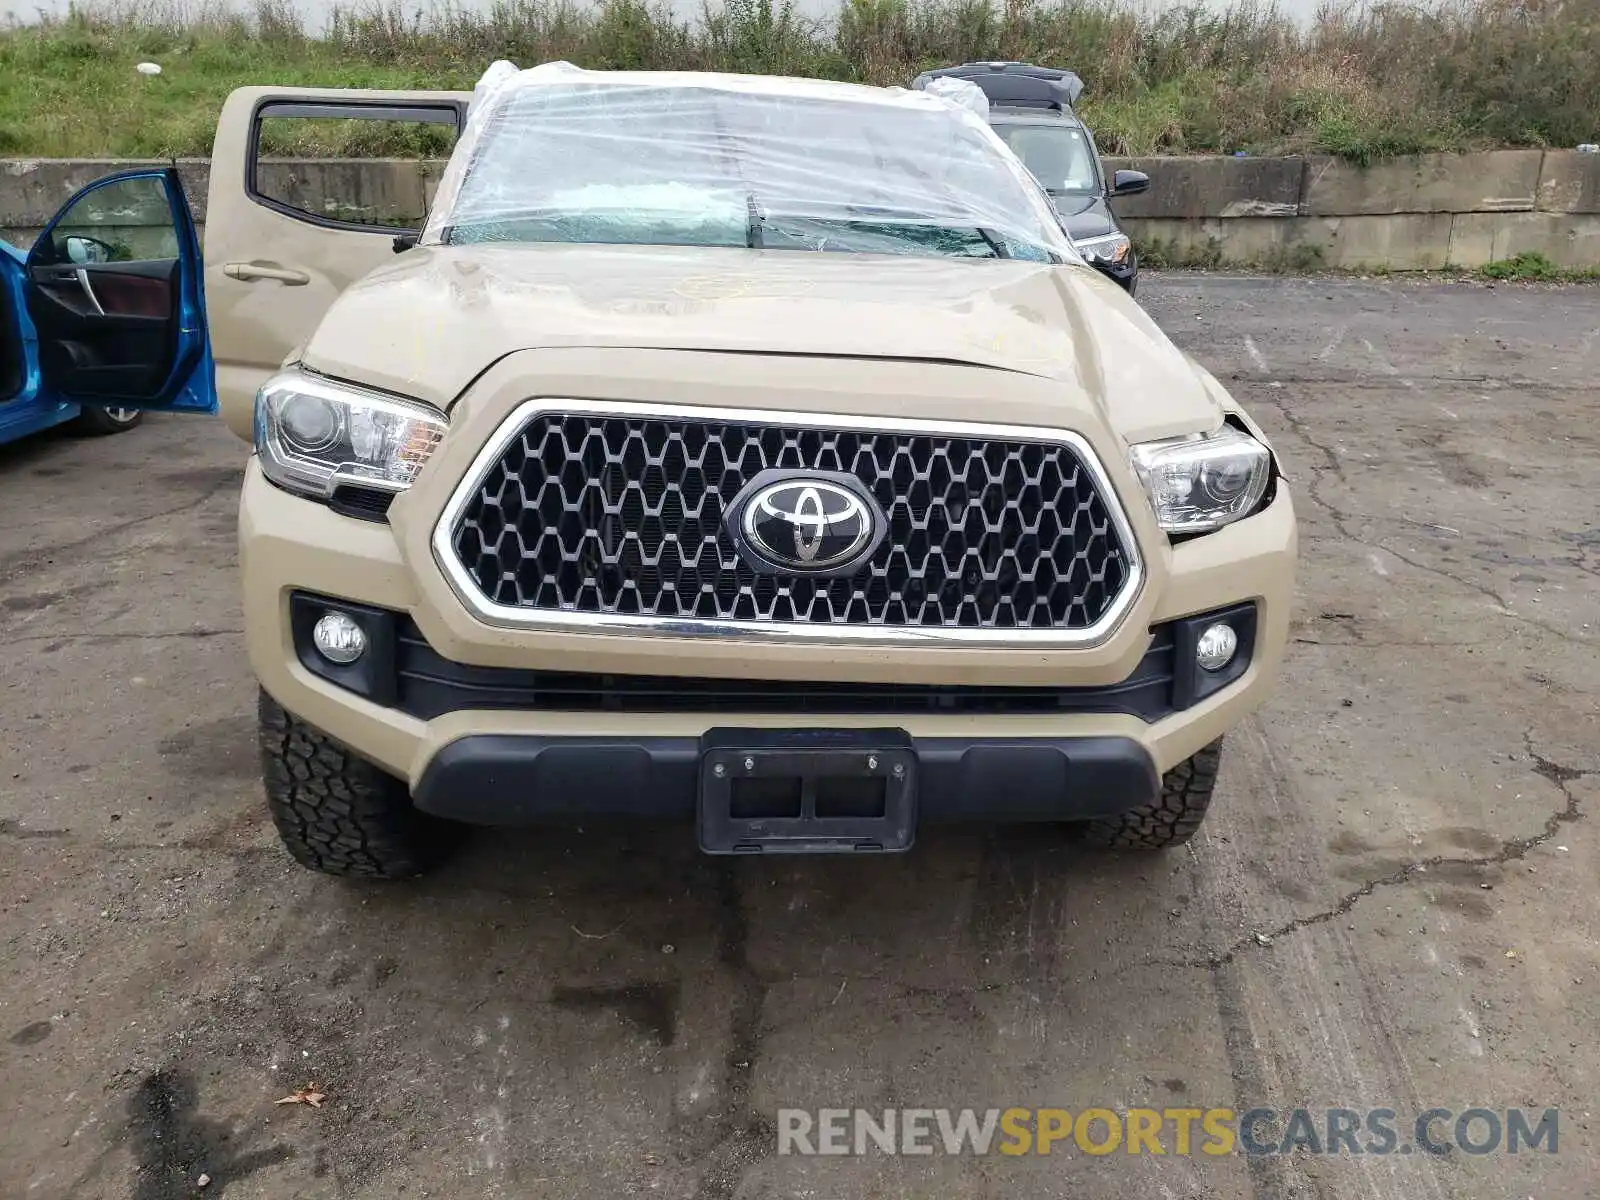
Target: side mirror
(1129, 183)
(404, 242)
(83, 250)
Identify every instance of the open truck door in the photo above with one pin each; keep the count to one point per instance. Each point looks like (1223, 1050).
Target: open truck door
(300, 206)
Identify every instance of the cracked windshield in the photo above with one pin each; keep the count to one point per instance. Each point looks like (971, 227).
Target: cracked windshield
(706, 167)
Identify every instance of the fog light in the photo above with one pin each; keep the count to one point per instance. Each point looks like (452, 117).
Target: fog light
(340, 640)
(1213, 651)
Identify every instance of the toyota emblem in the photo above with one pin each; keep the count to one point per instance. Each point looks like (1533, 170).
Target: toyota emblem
(809, 525)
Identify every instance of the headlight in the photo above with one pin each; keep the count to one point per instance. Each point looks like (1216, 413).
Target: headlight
(1112, 248)
(1203, 482)
(313, 435)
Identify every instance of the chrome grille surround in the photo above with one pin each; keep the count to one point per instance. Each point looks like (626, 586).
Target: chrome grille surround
(1054, 444)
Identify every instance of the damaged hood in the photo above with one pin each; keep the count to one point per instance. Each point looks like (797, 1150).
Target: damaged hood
(435, 319)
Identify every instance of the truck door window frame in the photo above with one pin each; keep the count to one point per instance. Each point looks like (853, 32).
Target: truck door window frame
(432, 113)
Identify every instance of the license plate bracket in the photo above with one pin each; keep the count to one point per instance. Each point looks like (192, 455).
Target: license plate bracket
(808, 791)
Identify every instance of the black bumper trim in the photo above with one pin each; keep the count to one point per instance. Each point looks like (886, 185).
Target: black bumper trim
(513, 779)
(401, 670)
(428, 685)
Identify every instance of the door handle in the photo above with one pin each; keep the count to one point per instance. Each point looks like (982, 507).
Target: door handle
(83, 282)
(250, 270)
(65, 276)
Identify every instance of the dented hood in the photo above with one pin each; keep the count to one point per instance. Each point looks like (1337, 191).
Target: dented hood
(431, 322)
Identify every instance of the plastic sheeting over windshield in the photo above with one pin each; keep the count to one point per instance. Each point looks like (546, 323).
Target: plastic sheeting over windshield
(961, 92)
(560, 154)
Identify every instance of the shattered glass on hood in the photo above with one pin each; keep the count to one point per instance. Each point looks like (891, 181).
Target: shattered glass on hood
(559, 154)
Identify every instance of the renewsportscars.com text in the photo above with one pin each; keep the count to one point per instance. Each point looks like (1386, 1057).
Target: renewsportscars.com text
(1174, 1131)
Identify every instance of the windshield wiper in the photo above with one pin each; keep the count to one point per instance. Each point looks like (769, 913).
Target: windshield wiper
(996, 243)
(753, 224)
(890, 223)
(867, 212)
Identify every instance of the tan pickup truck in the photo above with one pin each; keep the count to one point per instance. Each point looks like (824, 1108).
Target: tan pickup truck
(751, 452)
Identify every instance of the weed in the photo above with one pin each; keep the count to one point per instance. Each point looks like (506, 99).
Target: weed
(1531, 266)
(1169, 254)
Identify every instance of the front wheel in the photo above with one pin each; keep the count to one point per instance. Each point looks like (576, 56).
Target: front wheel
(98, 422)
(337, 813)
(1175, 815)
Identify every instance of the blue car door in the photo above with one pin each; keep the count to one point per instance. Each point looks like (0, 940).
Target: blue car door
(114, 290)
(19, 359)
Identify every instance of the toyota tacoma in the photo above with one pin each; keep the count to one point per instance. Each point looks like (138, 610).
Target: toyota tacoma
(751, 452)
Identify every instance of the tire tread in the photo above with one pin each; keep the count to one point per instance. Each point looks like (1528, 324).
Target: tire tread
(337, 813)
(1174, 816)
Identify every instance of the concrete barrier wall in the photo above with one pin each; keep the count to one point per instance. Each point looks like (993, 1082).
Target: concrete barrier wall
(1414, 213)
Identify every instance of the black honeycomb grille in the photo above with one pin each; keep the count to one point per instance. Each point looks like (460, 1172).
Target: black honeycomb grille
(624, 515)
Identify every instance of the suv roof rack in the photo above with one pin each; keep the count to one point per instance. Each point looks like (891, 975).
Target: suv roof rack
(1015, 84)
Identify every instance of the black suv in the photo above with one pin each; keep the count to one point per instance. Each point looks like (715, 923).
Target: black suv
(1031, 109)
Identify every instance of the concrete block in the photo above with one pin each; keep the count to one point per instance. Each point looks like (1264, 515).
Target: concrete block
(1405, 242)
(196, 176)
(1202, 242)
(1569, 182)
(431, 169)
(1212, 186)
(1495, 181)
(1472, 237)
(1229, 241)
(33, 189)
(1570, 240)
(1408, 242)
(382, 191)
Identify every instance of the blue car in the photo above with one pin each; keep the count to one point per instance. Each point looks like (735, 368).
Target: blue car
(104, 317)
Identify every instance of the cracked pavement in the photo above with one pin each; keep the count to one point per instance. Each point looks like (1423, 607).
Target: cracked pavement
(1394, 903)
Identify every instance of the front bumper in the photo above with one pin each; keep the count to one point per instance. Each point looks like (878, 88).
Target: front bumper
(511, 779)
(503, 758)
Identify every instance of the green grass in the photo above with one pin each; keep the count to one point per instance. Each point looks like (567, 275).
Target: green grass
(1533, 267)
(1392, 80)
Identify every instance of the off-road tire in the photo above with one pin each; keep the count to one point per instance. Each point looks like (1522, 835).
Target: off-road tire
(337, 813)
(97, 422)
(1173, 818)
